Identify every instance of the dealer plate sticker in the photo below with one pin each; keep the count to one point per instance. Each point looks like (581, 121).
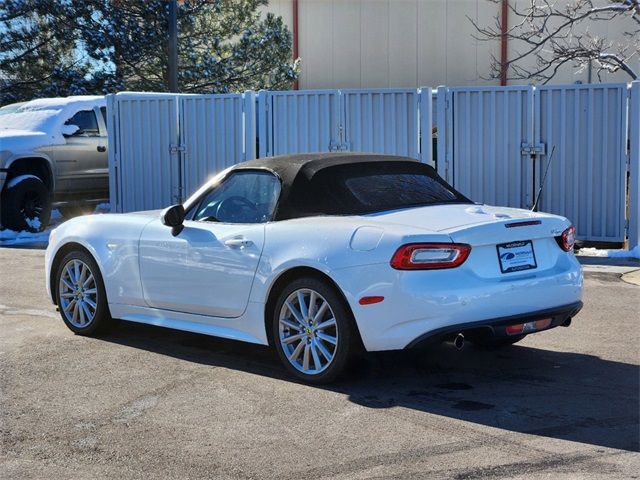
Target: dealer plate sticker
(516, 256)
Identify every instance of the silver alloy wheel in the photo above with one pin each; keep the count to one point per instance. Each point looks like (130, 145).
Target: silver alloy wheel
(78, 293)
(308, 331)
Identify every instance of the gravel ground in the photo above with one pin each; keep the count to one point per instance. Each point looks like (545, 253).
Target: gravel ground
(148, 402)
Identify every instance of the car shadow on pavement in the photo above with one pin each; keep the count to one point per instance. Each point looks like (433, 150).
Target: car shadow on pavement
(562, 395)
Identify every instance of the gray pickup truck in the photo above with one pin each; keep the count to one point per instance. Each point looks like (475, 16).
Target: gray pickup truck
(52, 151)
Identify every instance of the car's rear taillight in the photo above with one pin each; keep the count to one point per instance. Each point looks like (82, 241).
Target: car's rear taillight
(568, 239)
(428, 256)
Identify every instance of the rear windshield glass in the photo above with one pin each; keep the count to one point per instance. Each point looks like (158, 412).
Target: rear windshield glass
(353, 189)
(402, 189)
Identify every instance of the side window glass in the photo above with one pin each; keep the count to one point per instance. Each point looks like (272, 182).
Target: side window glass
(243, 197)
(86, 122)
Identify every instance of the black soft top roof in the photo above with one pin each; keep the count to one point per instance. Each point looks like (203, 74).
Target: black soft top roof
(302, 175)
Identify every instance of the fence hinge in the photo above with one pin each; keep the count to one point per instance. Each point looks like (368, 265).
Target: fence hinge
(173, 148)
(339, 145)
(537, 149)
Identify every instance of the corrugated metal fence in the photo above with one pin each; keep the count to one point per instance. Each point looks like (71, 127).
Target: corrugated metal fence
(493, 143)
(162, 147)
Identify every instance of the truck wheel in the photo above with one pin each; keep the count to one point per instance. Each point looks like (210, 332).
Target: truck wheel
(26, 204)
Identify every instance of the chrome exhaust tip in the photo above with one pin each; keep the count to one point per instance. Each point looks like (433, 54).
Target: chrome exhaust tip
(567, 322)
(458, 342)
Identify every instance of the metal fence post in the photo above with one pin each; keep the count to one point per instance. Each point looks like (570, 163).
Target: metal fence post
(444, 131)
(263, 123)
(112, 155)
(249, 110)
(426, 124)
(634, 165)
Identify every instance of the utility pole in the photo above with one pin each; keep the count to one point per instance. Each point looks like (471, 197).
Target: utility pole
(173, 46)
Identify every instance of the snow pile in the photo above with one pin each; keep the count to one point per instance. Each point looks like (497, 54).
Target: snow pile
(39, 122)
(11, 238)
(594, 252)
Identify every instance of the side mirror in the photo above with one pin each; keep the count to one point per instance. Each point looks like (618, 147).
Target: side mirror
(68, 130)
(173, 217)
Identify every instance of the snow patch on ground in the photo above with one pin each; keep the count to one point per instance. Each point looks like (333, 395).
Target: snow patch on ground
(595, 252)
(10, 238)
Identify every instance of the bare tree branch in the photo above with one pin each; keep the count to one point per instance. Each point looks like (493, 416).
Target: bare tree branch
(554, 34)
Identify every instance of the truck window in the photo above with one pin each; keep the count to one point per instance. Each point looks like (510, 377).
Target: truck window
(87, 122)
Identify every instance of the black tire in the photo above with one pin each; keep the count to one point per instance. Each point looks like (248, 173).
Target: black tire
(74, 210)
(492, 343)
(101, 321)
(344, 330)
(26, 204)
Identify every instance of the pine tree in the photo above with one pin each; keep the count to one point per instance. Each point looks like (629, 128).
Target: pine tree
(38, 51)
(60, 47)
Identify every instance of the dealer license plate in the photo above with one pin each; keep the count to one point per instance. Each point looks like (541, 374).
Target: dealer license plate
(516, 256)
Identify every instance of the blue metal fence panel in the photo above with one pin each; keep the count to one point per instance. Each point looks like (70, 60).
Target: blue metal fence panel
(486, 129)
(381, 121)
(299, 121)
(493, 143)
(143, 168)
(586, 177)
(213, 137)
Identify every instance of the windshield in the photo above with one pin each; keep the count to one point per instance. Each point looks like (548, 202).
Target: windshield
(28, 119)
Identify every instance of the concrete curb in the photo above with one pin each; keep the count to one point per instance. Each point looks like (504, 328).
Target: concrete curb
(632, 277)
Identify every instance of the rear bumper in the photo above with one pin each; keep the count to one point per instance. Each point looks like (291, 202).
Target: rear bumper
(421, 303)
(496, 327)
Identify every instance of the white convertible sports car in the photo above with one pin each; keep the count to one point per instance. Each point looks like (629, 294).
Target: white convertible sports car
(318, 255)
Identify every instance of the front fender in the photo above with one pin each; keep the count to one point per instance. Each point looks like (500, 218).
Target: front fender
(113, 241)
(8, 158)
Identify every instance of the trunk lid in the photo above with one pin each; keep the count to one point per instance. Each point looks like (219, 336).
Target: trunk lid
(478, 224)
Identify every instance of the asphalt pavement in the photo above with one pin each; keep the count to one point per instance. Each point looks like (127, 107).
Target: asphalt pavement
(146, 402)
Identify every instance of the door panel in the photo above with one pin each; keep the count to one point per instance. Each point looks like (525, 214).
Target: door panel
(81, 163)
(205, 270)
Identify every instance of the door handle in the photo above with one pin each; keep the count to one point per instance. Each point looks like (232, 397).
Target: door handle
(102, 148)
(238, 242)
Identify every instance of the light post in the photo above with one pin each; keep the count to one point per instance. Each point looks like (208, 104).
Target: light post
(173, 46)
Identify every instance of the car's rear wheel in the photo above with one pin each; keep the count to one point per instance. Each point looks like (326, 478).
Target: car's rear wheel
(312, 330)
(26, 204)
(81, 296)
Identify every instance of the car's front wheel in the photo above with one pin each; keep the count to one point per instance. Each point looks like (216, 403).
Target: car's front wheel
(312, 330)
(26, 204)
(81, 296)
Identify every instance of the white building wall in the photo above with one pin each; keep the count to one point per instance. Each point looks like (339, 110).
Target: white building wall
(404, 43)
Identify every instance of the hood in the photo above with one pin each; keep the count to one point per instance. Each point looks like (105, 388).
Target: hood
(16, 140)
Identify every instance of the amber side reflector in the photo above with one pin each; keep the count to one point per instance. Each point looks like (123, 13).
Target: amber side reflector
(370, 300)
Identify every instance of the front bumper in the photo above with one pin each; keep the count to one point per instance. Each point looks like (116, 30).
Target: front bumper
(496, 327)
